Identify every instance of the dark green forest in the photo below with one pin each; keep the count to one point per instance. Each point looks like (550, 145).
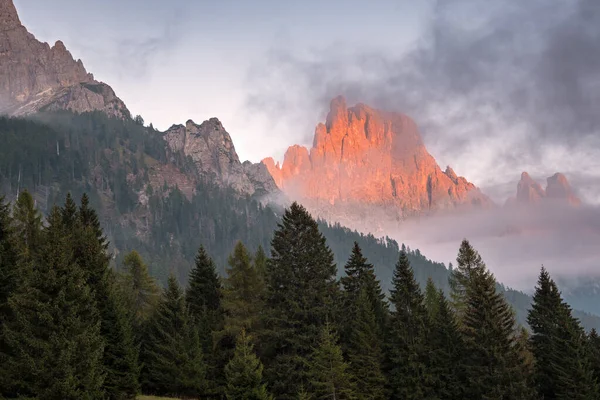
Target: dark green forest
(280, 323)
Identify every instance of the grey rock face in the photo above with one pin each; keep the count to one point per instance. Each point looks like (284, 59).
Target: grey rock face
(34, 75)
(211, 149)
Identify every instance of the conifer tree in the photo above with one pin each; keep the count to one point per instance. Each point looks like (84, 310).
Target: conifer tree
(329, 375)
(594, 353)
(243, 293)
(365, 352)
(139, 288)
(28, 225)
(9, 268)
(558, 343)
(244, 373)
(56, 346)
(447, 351)
(301, 289)
(260, 262)
(89, 218)
(494, 364)
(204, 297)
(360, 274)
(171, 349)
(120, 358)
(407, 349)
(432, 299)
(69, 213)
(469, 262)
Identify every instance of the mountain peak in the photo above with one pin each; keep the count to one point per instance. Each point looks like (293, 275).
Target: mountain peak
(9, 18)
(557, 188)
(365, 157)
(35, 76)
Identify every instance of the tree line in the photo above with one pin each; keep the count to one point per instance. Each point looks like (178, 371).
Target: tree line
(281, 326)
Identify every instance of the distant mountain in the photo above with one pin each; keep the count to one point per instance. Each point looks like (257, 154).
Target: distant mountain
(365, 160)
(530, 192)
(36, 77)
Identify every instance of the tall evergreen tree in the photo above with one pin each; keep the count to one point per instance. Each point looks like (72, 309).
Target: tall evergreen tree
(301, 288)
(171, 349)
(243, 293)
(469, 262)
(89, 218)
(9, 268)
(558, 343)
(28, 225)
(260, 262)
(329, 375)
(407, 349)
(594, 353)
(432, 299)
(360, 274)
(494, 365)
(120, 358)
(139, 288)
(55, 340)
(244, 373)
(204, 297)
(365, 352)
(447, 351)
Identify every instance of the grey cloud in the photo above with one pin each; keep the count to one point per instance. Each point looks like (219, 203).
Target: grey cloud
(495, 86)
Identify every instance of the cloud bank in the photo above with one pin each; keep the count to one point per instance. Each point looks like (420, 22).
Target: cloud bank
(496, 88)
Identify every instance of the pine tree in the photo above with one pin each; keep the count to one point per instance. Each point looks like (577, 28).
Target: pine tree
(243, 293)
(361, 274)
(365, 352)
(204, 297)
(244, 373)
(407, 349)
(432, 299)
(328, 373)
(494, 365)
(260, 262)
(139, 288)
(171, 349)
(9, 268)
(56, 343)
(469, 262)
(69, 213)
(301, 289)
(28, 225)
(558, 343)
(594, 353)
(204, 301)
(447, 351)
(120, 358)
(89, 218)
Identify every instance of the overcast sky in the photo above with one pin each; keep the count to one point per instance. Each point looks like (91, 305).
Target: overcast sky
(496, 87)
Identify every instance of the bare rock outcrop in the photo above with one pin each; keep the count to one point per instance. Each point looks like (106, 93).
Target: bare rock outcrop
(35, 76)
(212, 151)
(370, 157)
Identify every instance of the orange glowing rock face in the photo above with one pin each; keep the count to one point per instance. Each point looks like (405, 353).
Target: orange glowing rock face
(558, 190)
(362, 155)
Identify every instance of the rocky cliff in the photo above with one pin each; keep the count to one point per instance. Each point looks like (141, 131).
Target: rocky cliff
(35, 76)
(558, 189)
(362, 156)
(211, 149)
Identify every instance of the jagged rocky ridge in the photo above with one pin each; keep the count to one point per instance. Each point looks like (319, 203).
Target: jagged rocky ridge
(36, 77)
(530, 192)
(366, 157)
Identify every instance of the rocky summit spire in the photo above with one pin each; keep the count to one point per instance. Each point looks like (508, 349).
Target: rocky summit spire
(9, 18)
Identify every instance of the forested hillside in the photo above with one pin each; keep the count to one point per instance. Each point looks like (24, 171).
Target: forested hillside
(282, 326)
(152, 201)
